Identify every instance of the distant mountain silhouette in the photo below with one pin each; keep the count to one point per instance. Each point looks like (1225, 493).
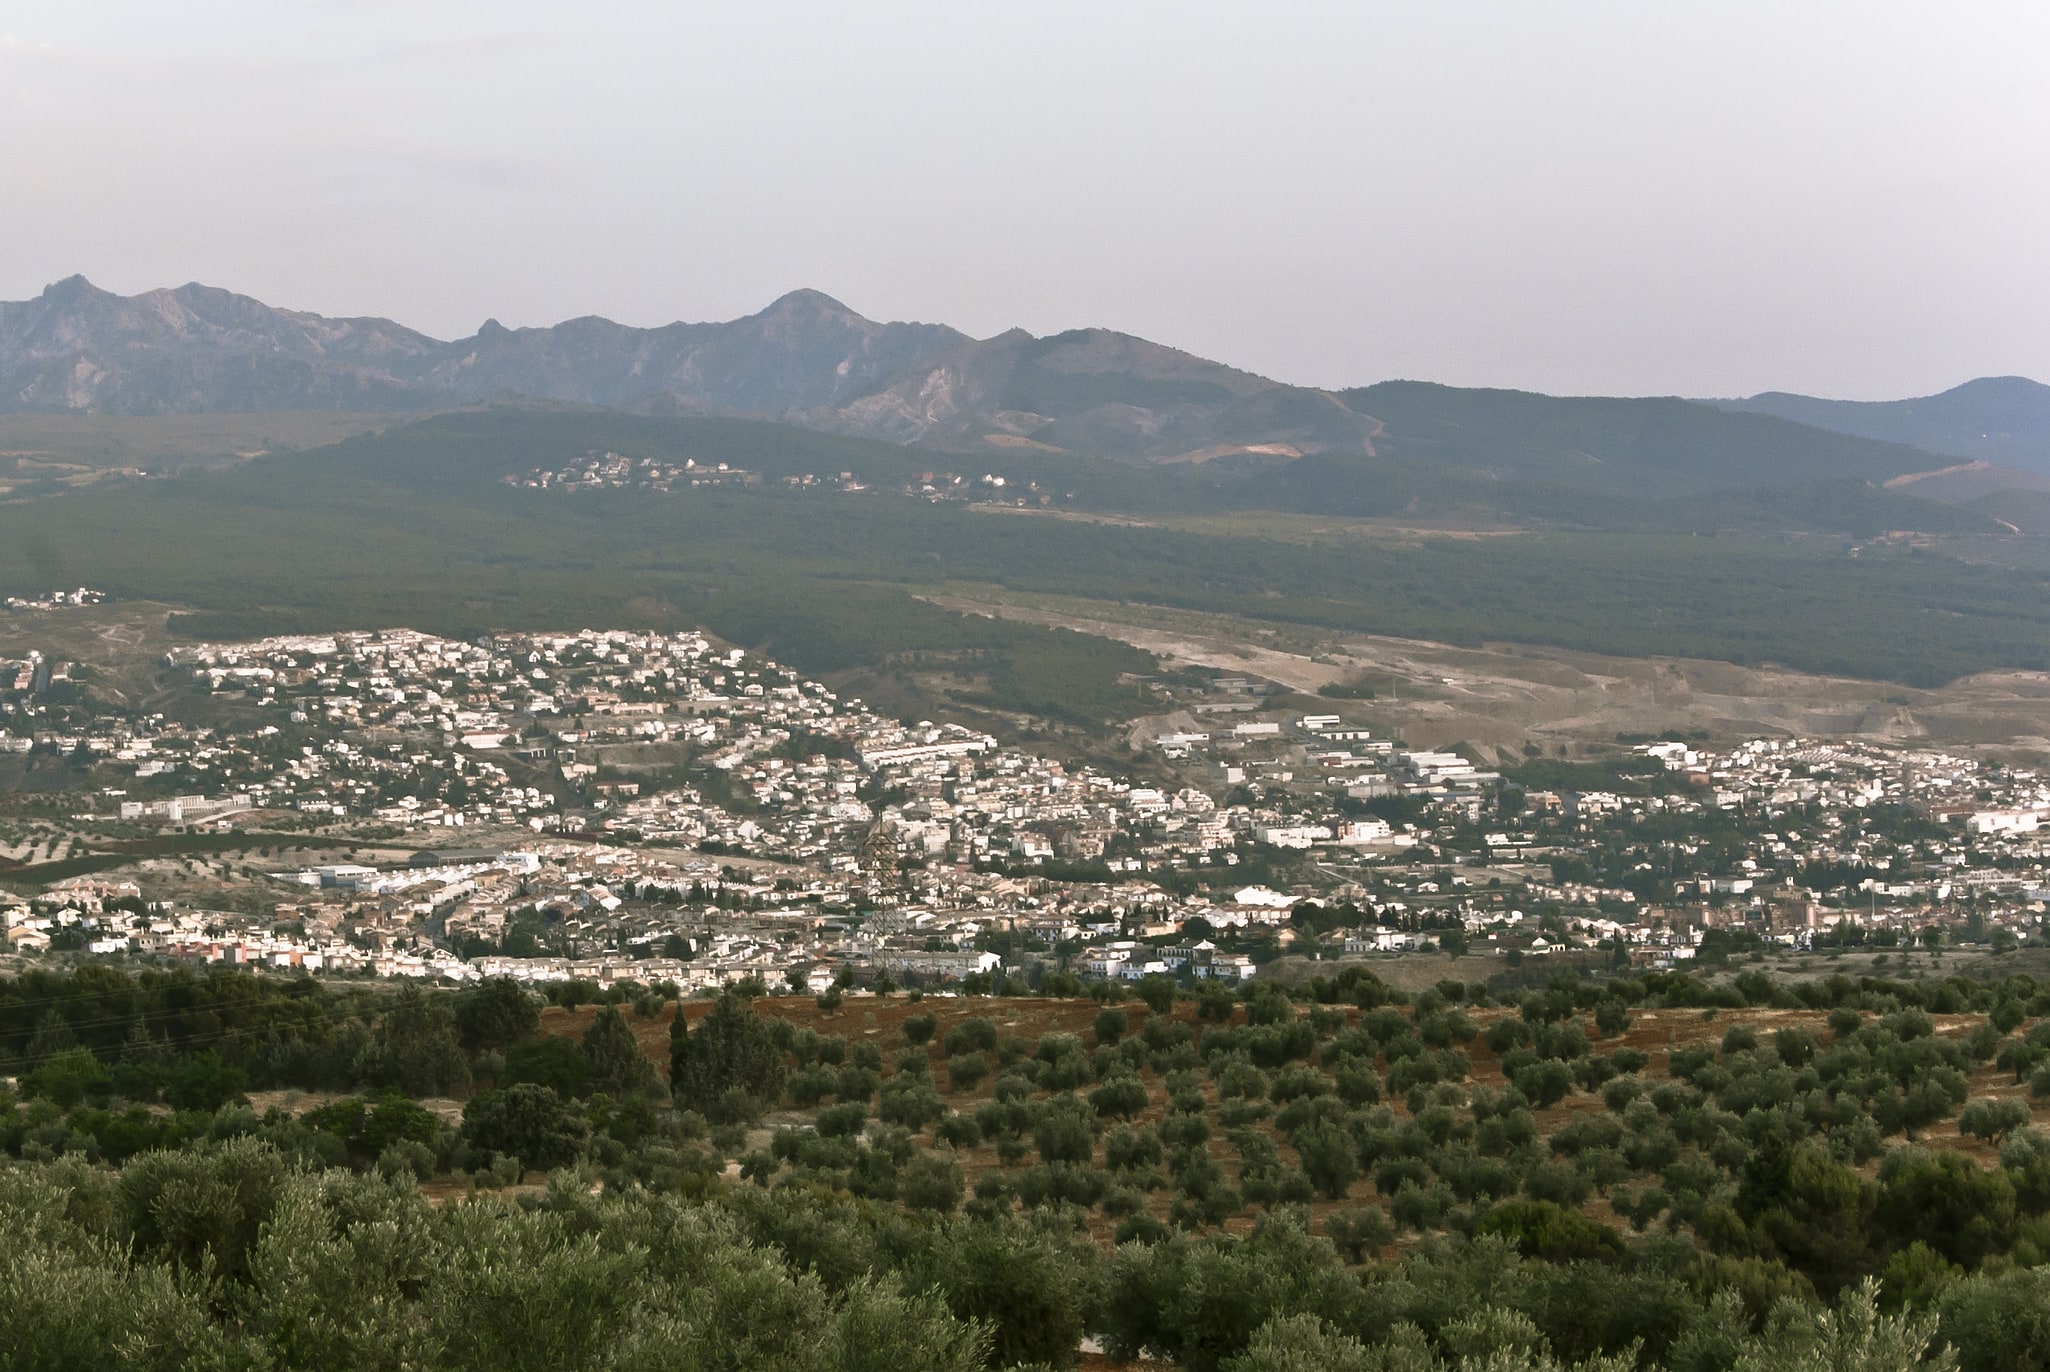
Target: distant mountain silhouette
(196, 349)
(2001, 419)
(809, 360)
(806, 359)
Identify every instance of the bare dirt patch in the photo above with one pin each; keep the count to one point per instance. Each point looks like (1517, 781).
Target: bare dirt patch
(1504, 696)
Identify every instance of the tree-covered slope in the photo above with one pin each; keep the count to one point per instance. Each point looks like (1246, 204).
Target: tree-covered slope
(417, 527)
(2003, 419)
(1641, 448)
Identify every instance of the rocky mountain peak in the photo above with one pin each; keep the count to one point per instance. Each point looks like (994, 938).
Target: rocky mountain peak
(806, 357)
(73, 288)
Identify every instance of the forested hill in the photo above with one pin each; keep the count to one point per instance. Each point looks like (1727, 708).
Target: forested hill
(2003, 419)
(1648, 447)
(418, 526)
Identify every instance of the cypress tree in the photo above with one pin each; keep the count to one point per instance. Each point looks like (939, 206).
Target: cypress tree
(613, 1061)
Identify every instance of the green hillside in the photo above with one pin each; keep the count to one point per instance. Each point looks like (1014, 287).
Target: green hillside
(1395, 488)
(2003, 419)
(414, 527)
(1642, 448)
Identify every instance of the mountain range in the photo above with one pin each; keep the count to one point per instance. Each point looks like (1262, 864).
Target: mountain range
(806, 359)
(809, 360)
(363, 473)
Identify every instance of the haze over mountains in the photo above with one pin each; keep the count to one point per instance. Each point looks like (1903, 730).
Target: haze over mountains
(805, 359)
(2001, 419)
(811, 361)
(1625, 526)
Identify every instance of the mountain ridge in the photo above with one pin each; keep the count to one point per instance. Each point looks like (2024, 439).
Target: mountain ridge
(1999, 419)
(806, 359)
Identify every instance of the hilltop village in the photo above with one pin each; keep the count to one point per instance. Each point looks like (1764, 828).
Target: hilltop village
(647, 807)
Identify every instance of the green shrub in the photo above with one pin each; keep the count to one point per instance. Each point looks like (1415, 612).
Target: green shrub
(964, 1070)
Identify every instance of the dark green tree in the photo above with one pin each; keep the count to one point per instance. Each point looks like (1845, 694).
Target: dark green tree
(1612, 1017)
(1946, 1200)
(69, 1077)
(554, 1062)
(1992, 1119)
(1065, 1130)
(1329, 1159)
(196, 1208)
(2025, 1157)
(1033, 1290)
(396, 1120)
(204, 1082)
(730, 1051)
(613, 1060)
(1359, 1232)
(1158, 992)
(932, 1182)
(496, 1013)
(1214, 1003)
(528, 1122)
(1546, 1082)
(415, 1047)
(1814, 1208)
(1998, 1320)
(1123, 1096)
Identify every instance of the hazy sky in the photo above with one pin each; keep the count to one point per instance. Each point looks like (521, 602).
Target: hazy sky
(1703, 198)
